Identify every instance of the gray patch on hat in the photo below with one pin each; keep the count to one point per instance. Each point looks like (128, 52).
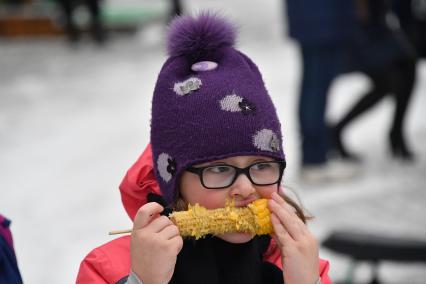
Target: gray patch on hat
(162, 164)
(188, 86)
(266, 140)
(231, 103)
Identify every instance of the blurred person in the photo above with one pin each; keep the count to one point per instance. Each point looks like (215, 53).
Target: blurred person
(385, 55)
(412, 19)
(324, 31)
(9, 271)
(215, 136)
(72, 30)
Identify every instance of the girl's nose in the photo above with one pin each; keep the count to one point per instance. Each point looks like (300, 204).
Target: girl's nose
(242, 187)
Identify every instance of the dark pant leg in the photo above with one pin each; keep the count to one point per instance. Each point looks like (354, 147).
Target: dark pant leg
(404, 79)
(70, 27)
(97, 28)
(319, 69)
(377, 92)
(93, 6)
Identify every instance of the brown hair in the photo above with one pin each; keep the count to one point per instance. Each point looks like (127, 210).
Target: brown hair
(299, 211)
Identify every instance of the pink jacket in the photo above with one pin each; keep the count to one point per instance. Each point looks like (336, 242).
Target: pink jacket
(110, 263)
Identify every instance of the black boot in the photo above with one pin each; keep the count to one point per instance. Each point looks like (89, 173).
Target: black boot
(399, 148)
(339, 149)
(403, 79)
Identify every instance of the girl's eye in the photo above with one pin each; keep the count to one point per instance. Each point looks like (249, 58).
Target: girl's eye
(261, 166)
(218, 169)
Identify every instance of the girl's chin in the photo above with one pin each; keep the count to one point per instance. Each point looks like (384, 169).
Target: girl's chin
(236, 238)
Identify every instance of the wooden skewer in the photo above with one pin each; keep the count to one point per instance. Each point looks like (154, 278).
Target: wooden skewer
(117, 232)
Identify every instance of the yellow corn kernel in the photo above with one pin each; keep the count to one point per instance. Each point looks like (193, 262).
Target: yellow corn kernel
(198, 221)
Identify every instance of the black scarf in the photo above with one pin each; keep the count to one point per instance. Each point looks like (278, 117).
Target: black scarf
(213, 261)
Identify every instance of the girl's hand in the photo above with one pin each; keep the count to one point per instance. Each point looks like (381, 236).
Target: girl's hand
(154, 246)
(299, 250)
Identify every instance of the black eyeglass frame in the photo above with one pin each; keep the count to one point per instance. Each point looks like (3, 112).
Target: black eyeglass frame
(238, 171)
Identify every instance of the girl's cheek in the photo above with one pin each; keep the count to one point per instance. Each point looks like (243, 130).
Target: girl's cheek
(214, 199)
(266, 191)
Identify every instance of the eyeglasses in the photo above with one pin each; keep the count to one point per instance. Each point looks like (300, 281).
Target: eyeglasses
(222, 176)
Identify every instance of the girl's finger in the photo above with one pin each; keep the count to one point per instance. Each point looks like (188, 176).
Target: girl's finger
(275, 196)
(159, 224)
(280, 234)
(169, 232)
(287, 218)
(280, 200)
(145, 214)
(178, 243)
(303, 228)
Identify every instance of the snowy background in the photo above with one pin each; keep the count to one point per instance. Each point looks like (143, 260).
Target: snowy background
(72, 121)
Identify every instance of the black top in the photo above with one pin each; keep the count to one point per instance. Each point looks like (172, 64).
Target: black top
(213, 261)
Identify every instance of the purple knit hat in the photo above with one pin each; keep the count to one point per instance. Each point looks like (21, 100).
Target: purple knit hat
(209, 102)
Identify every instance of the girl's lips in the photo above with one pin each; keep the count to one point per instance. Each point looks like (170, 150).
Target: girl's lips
(244, 203)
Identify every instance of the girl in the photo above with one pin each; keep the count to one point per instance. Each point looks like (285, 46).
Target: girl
(215, 136)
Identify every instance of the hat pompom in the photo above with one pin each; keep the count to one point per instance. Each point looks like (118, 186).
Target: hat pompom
(192, 35)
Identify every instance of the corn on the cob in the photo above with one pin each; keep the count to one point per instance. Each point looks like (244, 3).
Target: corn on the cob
(198, 221)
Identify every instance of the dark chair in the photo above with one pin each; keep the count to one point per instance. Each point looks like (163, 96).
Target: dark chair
(375, 248)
